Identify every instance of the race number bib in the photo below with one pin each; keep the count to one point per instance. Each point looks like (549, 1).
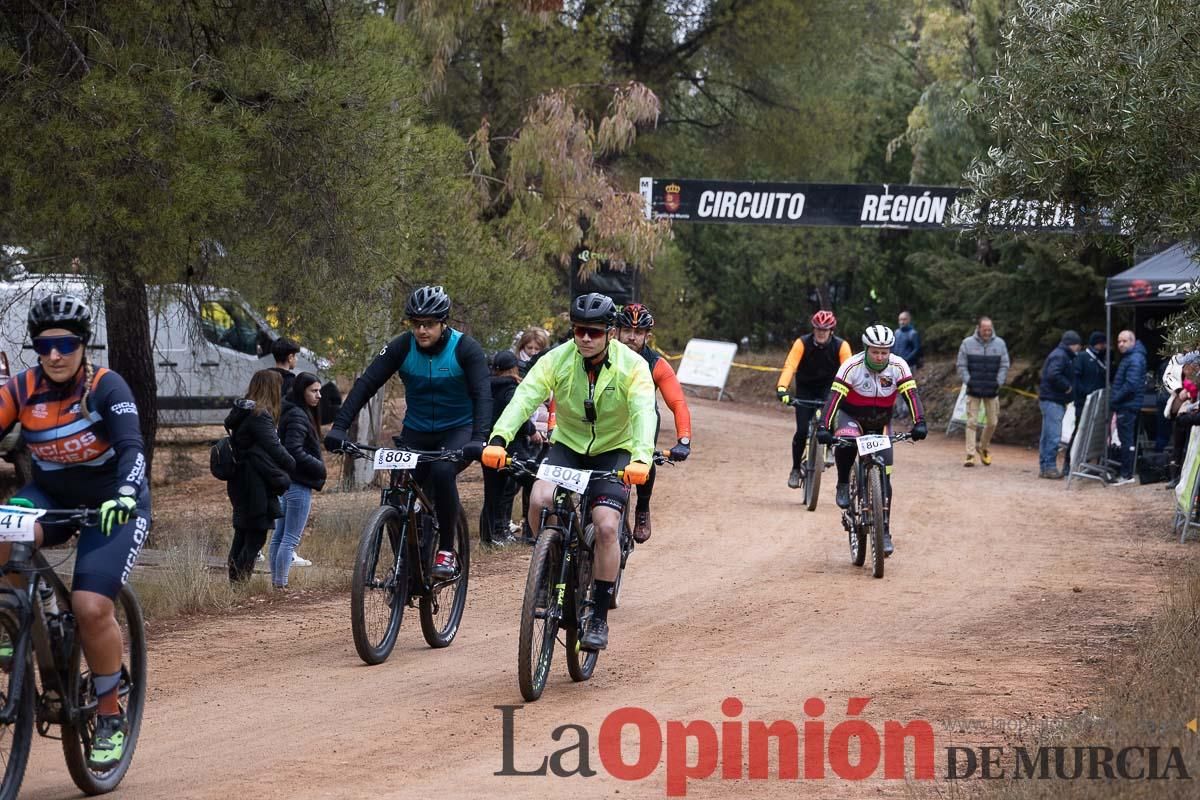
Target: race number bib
(395, 459)
(16, 523)
(873, 444)
(573, 480)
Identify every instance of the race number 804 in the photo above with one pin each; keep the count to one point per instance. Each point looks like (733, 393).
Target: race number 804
(575, 480)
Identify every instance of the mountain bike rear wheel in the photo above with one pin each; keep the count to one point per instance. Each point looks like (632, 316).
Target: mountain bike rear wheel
(874, 514)
(379, 587)
(16, 738)
(539, 615)
(582, 663)
(442, 610)
(77, 735)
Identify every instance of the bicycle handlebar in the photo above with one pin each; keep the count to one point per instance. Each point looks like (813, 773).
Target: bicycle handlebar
(83, 515)
(356, 450)
(850, 441)
(797, 402)
(529, 466)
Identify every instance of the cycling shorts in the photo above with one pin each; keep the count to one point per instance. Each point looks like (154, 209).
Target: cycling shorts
(607, 492)
(103, 564)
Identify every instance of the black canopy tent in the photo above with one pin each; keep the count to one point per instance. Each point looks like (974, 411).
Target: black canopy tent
(1156, 286)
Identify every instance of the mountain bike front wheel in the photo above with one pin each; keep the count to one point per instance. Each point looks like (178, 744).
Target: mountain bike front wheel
(814, 465)
(379, 587)
(874, 516)
(81, 691)
(540, 612)
(16, 738)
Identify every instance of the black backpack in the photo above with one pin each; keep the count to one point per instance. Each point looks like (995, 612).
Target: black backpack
(222, 459)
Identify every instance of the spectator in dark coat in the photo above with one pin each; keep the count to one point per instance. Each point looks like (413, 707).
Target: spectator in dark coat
(284, 352)
(1054, 392)
(1128, 388)
(300, 432)
(262, 472)
(497, 501)
(908, 342)
(1089, 370)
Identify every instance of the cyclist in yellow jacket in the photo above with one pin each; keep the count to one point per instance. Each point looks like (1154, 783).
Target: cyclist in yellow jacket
(605, 421)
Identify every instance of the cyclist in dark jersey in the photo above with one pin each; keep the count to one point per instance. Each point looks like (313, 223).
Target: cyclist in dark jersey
(447, 388)
(81, 425)
(634, 323)
(813, 361)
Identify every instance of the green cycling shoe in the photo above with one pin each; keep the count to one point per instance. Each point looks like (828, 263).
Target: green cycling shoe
(108, 742)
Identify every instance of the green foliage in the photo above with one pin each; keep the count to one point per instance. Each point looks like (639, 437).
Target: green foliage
(1033, 291)
(295, 137)
(1095, 104)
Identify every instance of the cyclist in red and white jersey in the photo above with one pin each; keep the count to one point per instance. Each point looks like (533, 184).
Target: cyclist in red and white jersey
(866, 389)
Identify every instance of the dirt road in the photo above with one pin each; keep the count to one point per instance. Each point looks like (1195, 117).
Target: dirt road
(1006, 599)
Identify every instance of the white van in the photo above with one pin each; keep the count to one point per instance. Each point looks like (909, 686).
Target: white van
(208, 341)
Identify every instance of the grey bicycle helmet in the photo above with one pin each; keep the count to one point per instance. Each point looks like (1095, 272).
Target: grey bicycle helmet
(428, 302)
(594, 307)
(60, 311)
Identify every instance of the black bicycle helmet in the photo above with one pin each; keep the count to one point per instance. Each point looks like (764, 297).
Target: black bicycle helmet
(61, 311)
(428, 302)
(635, 316)
(594, 307)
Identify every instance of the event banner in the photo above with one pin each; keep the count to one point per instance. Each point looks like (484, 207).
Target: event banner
(844, 205)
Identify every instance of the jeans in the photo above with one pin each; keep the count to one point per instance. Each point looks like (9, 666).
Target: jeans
(296, 503)
(1127, 432)
(1052, 421)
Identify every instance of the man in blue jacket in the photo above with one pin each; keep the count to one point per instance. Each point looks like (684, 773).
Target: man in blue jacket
(1054, 392)
(1127, 389)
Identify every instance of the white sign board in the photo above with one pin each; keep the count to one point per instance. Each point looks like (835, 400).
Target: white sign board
(706, 363)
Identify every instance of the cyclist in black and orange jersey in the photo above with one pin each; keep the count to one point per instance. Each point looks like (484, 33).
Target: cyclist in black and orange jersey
(81, 425)
(634, 323)
(813, 361)
(866, 389)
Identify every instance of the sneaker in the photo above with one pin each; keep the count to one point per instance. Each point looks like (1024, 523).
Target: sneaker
(1123, 481)
(843, 495)
(985, 457)
(888, 547)
(300, 561)
(794, 479)
(108, 742)
(513, 529)
(641, 527)
(1052, 474)
(260, 558)
(596, 636)
(444, 565)
(969, 461)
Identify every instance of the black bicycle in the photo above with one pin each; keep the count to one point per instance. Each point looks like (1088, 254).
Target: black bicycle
(393, 567)
(865, 519)
(46, 678)
(815, 455)
(559, 589)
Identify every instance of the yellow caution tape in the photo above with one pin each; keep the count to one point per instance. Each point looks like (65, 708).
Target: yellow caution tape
(1021, 392)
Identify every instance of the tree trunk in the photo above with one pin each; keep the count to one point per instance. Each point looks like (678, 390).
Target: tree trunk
(130, 348)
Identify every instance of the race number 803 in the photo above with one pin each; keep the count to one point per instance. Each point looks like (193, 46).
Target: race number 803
(395, 459)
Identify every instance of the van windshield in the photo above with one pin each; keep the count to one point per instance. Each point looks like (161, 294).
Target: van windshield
(227, 324)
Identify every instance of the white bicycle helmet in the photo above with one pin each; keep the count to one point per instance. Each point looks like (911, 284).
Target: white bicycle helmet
(878, 336)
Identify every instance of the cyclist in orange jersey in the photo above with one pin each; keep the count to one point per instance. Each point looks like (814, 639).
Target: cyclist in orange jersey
(634, 323)
(813, 362)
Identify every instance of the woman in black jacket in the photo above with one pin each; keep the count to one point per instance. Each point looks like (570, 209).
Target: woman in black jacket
(299, 430)
(262, 471)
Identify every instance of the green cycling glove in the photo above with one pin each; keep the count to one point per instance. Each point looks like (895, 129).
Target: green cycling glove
(116, 512)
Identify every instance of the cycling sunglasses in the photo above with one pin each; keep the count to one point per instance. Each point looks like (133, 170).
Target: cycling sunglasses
(65, 345)
(584, 332)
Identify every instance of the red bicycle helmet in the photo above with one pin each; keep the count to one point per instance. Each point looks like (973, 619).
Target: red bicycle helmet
(824, 320)
(636, 316)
